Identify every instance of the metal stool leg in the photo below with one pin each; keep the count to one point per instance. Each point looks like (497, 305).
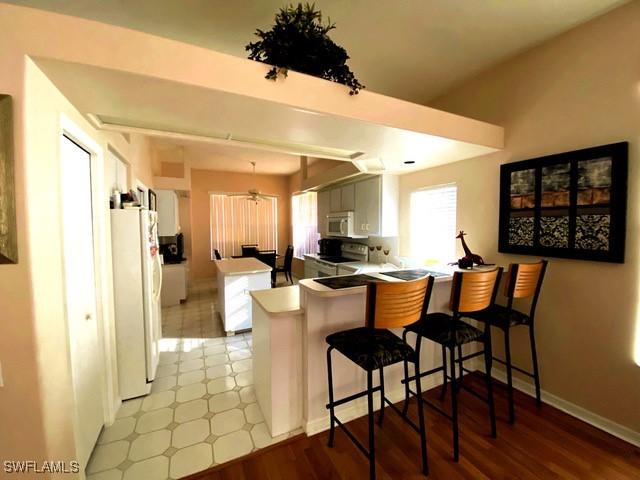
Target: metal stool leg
(488, 361)
(459, 385)
(332, 429)
(443, 392)
(372, 451)
(405, 407)
(454, 403)
(423, 431)
(534, 360)
(381, 414)
(507, 352)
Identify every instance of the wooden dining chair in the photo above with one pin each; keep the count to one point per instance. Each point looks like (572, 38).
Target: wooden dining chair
(373, 347)
(216, 254)
(470, 292)
(524, 281)
(287, 265)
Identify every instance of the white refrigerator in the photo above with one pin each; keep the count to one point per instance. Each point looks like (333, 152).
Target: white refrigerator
(137, 280)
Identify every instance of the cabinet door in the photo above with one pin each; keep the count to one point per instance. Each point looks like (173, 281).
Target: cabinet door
(324, 201)
(336, 200)
(348, 197)
(367, 207)
(167, 213)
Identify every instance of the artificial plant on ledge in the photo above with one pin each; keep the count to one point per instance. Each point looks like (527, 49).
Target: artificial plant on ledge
(299, 41)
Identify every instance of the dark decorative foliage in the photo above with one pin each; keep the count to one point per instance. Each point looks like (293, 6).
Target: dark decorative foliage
(299, 41)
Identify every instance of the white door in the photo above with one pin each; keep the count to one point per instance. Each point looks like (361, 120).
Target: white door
(87, 367)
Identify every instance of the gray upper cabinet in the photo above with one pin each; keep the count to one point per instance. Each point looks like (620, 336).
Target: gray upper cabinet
(348, 197)
(367, 216)
(336, 200)
(324, 207)
(374, 202)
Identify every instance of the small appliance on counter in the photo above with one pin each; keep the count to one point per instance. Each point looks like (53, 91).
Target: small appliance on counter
(172, 249)
(330, 247)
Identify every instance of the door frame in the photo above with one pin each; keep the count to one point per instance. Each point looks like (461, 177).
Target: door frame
(102, 262)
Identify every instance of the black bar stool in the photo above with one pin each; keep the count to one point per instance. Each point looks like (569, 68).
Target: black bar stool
(470, 292)
(373, 347)
(524, 280)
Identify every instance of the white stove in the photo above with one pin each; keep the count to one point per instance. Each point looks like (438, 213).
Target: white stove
(354, 259)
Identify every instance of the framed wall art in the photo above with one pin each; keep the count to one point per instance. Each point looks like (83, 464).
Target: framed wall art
(570, 205)
(8, 233)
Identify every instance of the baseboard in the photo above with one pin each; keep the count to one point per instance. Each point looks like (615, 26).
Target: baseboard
(595, 420)
(358, 408)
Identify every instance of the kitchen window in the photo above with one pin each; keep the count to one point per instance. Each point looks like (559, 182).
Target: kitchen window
(433, 224)
(238, 220)
(304, 219)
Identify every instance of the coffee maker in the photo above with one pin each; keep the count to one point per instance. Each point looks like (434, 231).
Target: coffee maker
(172, 249)
(330, 247)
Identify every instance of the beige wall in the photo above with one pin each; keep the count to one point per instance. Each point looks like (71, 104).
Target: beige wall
(205, 181)
(36, 401)
(579, 90)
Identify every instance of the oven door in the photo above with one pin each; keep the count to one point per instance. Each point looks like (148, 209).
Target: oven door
(326, 270)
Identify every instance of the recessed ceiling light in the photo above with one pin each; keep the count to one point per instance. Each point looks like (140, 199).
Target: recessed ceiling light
(409, 162)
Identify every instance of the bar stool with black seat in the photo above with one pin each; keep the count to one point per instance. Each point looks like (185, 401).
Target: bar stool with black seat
(524, 281)
(470, 292)
(373, 347)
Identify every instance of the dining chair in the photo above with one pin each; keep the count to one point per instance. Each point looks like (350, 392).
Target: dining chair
(287, 265)
(470, 292)
(249, 250)
(268, 257)
(524, 281)
(216, 254)
(373, 347)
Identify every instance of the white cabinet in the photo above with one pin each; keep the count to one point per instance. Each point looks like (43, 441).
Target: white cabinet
(174, 284)
(168, 216)
(336, 200)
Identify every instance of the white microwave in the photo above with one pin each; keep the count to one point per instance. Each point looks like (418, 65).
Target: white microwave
(340, 224)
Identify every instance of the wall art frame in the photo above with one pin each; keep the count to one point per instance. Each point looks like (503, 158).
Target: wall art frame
(8, 228)
(568, 205)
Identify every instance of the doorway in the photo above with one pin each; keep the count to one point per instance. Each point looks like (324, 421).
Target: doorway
(87, 365)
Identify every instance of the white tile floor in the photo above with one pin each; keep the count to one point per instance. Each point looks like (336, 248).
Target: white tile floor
(202, 410)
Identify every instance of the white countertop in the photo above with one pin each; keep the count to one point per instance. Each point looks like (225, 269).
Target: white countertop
(283, 301)
(241, 266)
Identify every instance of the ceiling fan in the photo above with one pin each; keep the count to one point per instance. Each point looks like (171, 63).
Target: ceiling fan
(253, 194)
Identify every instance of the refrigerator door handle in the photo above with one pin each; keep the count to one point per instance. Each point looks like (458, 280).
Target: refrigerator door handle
(158, 273)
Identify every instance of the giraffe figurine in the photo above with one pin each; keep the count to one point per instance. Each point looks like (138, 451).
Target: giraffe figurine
(469, 256)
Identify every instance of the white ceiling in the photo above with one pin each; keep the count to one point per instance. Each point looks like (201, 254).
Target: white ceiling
(409, 49)
(159, 107)
(225, 158)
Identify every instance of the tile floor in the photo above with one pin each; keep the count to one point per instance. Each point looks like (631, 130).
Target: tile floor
(202, 410)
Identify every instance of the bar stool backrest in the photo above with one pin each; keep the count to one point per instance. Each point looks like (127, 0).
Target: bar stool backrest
(524, 279)
(396, 304)
(474, 291)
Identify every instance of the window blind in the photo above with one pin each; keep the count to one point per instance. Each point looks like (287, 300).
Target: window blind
(237, 221)
(433, 224)
(304, 219)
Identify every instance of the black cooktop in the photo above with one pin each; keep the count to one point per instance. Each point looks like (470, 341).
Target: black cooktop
(413, 274)
(346, 281)
(336, 259)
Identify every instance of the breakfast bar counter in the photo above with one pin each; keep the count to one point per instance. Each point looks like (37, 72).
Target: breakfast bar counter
(328, 310)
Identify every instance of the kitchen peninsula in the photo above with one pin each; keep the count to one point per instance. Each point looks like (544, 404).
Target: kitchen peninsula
(319, 311)
(236, 277)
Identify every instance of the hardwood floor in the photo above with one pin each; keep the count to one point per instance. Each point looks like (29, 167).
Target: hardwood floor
(544, 443)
